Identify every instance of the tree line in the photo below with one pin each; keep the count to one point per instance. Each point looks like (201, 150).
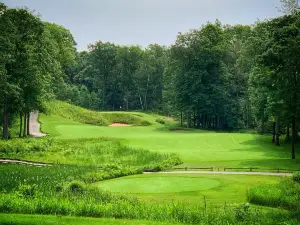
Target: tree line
(33, 57)
(215, 77)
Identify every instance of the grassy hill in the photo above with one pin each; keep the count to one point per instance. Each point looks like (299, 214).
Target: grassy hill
(85, 116)
(196, 148)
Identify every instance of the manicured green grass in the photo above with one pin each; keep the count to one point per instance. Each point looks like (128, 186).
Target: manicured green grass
(21, 219)
(190, 188)
(199, 148)
(158, 184)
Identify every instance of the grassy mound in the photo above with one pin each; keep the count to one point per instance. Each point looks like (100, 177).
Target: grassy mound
(85, 116)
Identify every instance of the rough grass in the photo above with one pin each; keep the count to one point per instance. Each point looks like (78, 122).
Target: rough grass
(91, 152)
(123, 208)
(21, 219)
(285, 195)
(85, 116)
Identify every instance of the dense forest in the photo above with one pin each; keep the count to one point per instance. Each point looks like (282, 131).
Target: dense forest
(215, 77)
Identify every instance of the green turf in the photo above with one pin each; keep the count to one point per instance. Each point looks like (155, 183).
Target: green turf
(200, 148)
(158, 184)
(20, 219)
(189, 188)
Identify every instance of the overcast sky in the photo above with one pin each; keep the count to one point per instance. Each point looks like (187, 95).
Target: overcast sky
(143, 22)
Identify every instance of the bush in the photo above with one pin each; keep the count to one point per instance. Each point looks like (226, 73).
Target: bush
(144, 123)
(296, 177)
(160, 120)
(75, 187)
(27, 191)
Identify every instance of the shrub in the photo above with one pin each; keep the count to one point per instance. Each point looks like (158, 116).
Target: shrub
(296, 177)
(242, 212)
(160, 120)
(75, 187)
(27, 191)
(59, 188)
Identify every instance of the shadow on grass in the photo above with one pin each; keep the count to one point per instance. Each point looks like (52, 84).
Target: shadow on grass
(276, 156)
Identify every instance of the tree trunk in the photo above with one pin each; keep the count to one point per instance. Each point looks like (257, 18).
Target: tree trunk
(141, 102)
(127, 101)
(194, 119)
(198, 120)
(25, 122)
(274, 132)
(28, 123)
(21, 124)
(188, 120)
(146, 93)
(205, 121)
(293, 137)
(5, 120)
(277, 132)
(288, 138)
(181, 118)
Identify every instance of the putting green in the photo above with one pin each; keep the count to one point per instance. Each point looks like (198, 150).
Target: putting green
(158, 184)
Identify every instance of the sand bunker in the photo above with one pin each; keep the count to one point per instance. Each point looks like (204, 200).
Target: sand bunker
(119, 125)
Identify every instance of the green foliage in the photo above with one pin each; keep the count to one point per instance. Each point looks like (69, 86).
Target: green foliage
(160, 120)
(27, 191)
(285, 195)
(104, 205)
(296, 177)
(75, 187)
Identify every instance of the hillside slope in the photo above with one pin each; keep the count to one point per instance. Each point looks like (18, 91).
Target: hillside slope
(85, 116)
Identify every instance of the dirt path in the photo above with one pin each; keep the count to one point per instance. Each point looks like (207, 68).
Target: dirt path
(224, 173)
(34, 127)
(15, 161)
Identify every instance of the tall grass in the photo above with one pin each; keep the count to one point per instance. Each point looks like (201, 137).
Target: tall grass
(103, 204)
(285, 195)
(91, 152)
(85, 116)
